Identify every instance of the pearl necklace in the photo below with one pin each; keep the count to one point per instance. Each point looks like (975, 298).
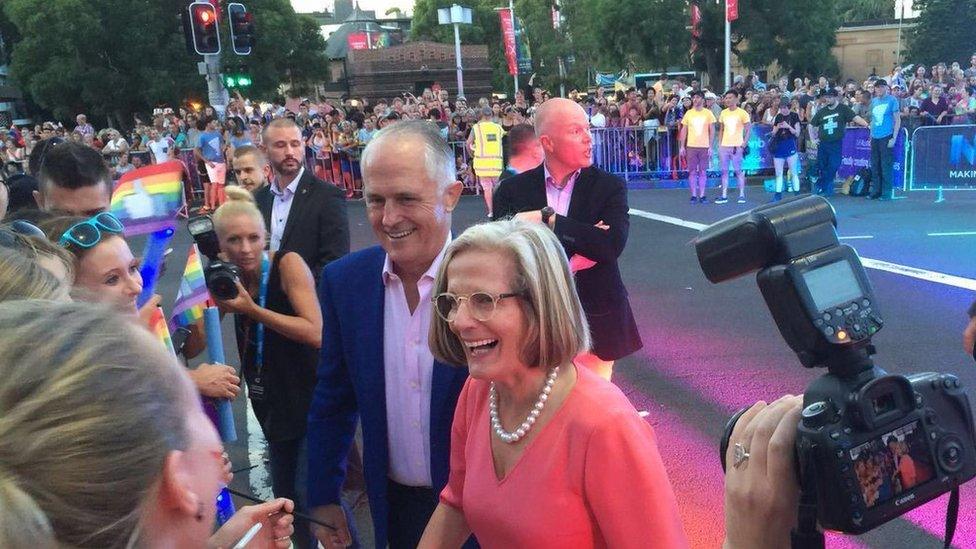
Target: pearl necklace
(526, 425)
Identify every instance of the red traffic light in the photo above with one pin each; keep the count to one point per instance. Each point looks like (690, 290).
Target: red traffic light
(202, 35)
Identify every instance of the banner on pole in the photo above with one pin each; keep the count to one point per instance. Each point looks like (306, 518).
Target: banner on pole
(522, 47)
(695, 26)
(508, 40)
(731, 10)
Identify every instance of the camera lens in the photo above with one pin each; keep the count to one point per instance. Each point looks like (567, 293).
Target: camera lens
(723, 446)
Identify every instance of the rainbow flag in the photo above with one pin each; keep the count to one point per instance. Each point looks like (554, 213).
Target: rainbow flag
(193, 296)
(157, 324)
(147, 200)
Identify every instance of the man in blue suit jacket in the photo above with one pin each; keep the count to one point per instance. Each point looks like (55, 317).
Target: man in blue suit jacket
(375, 361)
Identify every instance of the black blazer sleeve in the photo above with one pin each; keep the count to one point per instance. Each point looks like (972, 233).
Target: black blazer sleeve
(586, 239)
(502, 201)
(333, 227)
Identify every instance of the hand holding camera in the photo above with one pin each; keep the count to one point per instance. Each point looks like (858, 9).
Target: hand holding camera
(870, 446)
(761, 480)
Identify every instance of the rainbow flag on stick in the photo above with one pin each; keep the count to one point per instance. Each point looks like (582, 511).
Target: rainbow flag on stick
(157, 324)
(193, 296)
(148, 199)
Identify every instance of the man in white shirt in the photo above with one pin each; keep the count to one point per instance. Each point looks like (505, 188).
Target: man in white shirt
(161, 147)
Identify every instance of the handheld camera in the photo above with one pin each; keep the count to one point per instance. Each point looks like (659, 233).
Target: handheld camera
(871, 445)
(221, 276)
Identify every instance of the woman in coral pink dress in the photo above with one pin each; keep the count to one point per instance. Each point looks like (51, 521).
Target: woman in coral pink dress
(543, 454)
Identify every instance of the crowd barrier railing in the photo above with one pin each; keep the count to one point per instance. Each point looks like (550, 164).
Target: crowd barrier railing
(942, 158)
(651, 152)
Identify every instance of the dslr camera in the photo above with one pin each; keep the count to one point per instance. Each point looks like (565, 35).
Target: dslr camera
(870, 445)
(221, 276)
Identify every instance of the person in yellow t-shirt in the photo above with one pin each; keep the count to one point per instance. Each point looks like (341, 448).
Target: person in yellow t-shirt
(485, 144)
(695, 141)
(735, 126)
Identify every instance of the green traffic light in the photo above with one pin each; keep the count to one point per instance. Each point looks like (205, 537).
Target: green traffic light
(243, 81)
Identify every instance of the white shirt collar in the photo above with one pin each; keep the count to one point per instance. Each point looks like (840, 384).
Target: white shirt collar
(292, 187)
(431, 272)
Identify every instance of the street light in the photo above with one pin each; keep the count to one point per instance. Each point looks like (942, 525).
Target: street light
(456, 15)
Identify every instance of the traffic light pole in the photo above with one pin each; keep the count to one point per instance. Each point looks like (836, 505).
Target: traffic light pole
(218, 95)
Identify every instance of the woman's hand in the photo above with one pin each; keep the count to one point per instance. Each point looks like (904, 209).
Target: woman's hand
(761, 492)
(242, 303)
(148, 309)
(275, 518)
(216, 381)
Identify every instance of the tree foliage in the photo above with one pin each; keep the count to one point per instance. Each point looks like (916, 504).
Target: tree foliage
(797, 35)
(113, 58)
(865, 10)
(943, 31)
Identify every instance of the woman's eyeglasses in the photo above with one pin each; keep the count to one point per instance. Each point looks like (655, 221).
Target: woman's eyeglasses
(88, 233)
(481, 305)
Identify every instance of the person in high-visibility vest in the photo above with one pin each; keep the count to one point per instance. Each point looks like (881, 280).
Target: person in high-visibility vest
(485, 144)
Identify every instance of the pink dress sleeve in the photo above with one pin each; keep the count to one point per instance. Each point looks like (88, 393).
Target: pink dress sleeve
(453, 492)
(627, 488)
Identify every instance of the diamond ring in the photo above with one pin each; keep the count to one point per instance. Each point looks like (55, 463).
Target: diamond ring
(740, 455)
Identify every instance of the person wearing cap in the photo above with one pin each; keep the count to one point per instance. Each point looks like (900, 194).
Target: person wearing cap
(712, 104)
(485, 144)
(786, 128)
(827, 134)
(885, 124)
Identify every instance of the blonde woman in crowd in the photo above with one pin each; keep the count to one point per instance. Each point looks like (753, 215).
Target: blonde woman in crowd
(130, 461)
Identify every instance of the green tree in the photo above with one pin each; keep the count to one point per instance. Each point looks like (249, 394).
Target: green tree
(114, 58)
(658, 39)
(865, 10)
(943, 31)
(797, 35)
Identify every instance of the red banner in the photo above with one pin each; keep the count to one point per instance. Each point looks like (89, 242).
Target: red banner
(731, 10)
(508, 40)
(695, 26)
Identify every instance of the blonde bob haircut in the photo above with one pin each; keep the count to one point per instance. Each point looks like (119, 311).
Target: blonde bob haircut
(557, 330)
(239, 202)
(90, 407)
(23, 278)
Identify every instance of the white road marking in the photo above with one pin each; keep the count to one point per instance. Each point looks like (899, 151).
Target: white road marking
(260, 479)
(887, 266)
(961, 233)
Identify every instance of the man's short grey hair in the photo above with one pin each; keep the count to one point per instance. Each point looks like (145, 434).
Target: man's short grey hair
(438, 155)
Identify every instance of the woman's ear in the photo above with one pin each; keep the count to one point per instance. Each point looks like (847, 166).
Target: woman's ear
(175, 487)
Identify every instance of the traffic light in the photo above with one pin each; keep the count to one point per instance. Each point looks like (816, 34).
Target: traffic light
(237, 81)
(200, 27)
(241, 28)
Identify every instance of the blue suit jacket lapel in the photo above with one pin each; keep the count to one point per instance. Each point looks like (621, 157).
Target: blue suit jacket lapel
(373, 378)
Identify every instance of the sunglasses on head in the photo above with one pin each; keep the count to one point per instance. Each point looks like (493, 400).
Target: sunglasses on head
(88, 233)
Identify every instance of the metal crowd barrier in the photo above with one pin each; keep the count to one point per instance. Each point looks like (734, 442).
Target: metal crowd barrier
(639, 152)
(942, 158)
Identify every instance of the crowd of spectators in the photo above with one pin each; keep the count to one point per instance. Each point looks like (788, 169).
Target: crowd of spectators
(336, 131)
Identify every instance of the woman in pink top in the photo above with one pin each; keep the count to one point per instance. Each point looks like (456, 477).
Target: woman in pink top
(543, 454)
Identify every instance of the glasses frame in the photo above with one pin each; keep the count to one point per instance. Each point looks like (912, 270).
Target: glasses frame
(460, 298)
(95, 222)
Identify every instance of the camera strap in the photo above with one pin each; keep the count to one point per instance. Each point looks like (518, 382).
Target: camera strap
(952, 515)
(262, 302)
(806, 534)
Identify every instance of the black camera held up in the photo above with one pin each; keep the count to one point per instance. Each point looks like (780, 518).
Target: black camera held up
(221, 276)
(870, 445)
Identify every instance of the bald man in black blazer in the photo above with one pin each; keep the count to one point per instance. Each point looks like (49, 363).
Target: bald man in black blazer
(589, 215)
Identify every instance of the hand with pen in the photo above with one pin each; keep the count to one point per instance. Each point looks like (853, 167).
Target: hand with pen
(266, 524)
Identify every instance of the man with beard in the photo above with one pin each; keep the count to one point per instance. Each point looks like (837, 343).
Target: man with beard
(302, 213)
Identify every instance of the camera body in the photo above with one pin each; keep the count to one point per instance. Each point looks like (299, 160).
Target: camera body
(221, 276)
(885, 446)
(870, 445)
